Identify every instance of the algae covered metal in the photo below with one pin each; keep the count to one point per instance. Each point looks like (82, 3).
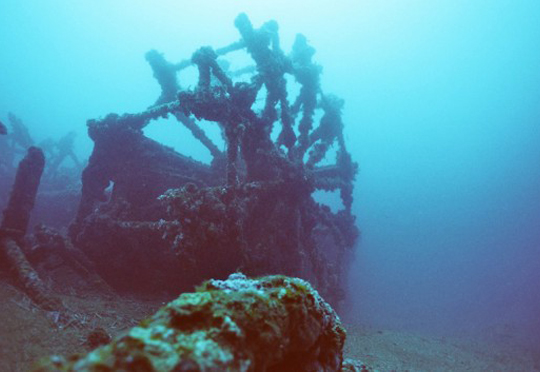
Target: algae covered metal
(273, 323)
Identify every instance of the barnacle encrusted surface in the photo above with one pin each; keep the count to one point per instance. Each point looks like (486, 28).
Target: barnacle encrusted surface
(270, 323)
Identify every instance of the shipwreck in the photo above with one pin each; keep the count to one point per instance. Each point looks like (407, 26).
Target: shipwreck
(151, 218)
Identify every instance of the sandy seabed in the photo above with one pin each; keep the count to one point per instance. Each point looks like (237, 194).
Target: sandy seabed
(388, 350)
(28, 334)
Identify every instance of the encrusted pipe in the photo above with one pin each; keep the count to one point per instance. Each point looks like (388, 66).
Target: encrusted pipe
(15, 223)
(23, 193)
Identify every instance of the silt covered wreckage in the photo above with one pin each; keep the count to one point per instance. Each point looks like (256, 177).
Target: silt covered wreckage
(151, 218)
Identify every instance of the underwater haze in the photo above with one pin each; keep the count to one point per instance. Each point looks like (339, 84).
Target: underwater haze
(442, 112)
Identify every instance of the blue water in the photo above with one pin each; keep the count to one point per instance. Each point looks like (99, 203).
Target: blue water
(442, 112)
